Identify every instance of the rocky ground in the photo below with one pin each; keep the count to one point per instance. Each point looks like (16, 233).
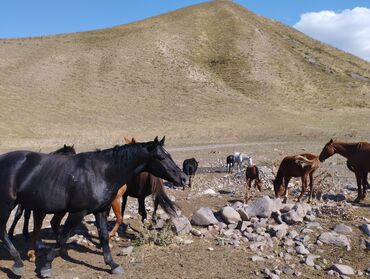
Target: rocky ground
(220, 236)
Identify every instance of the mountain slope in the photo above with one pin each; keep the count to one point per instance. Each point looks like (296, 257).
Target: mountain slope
(210, 72)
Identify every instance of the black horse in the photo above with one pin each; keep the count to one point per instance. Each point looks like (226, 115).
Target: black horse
(79, 184)
(189, 167)
(230, 161)
(65, 150)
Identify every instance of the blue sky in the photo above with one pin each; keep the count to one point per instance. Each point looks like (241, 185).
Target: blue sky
(25, 18)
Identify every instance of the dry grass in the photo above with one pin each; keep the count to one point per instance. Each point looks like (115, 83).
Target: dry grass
(207, 73)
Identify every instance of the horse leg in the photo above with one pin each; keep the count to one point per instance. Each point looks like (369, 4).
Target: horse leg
(17, 216)
(304, 186)
(4, 216)
(55, 223)
(71, 223)
(365, 185)
(101, 220)
(27, 216)
(37, 224)
(119, 219)
(142, 210)
(286, 183)
(311, 187)
(359, 182)
(190, 176)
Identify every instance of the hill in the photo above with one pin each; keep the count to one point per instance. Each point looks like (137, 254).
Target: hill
(213, 72)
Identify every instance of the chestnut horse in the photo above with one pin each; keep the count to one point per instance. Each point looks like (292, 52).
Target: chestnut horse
(358, 161)
(302, 165)
(252, 174)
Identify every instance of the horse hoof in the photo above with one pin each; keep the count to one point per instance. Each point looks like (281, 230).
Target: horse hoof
(45, 272)
(118, 270)
(18, 271)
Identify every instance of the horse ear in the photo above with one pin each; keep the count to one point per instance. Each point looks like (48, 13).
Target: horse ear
(156, 140)
(65, 145)
(126, 140)
(73, 145)
(331, 141)
(161, 143)
(133, 140)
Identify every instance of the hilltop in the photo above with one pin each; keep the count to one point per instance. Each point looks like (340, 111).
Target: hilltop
(213, 72)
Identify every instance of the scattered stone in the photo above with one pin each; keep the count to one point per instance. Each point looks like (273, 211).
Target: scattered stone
(257, 259)
(335, 239)
(333, 197)
(126, 251)
(301, 250)
(203, 217)
(278, 230)
(343, 269)
(366, 229)
(273, 276)
(209, 192)
(297, 273)
(314, 225)
(181, 224)
(342, 228)
(365, 244)
(195, 232)
(295, 214)
(243, 214)
(310, 260)
(210, 249)
(230, 215)
(288, 270)
(261, 207)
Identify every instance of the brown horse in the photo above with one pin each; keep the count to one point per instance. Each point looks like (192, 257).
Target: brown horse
(302, 165)
(141, 186)
(358, 161)
(252, 174)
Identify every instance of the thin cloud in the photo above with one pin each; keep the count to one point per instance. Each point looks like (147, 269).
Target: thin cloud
(348, 30)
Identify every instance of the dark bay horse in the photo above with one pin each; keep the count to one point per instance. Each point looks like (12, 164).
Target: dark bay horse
(303, 165)
(190, 167)
(65, 150)
(79, 184)
(358, 161)
(38, 218)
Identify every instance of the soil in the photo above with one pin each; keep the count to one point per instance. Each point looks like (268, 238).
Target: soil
(195, 260)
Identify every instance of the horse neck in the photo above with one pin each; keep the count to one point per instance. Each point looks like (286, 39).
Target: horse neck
(279, 176)
(344, 149)
(125, 165)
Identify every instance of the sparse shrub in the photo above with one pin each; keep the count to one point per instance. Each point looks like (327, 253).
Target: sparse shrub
(162, 237)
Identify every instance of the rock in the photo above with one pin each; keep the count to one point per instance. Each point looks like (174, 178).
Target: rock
(273, 276)
(333, 197)
(335, 239)
(288, 270)
(262, 207)
(203, 217)
(343, 269)
(365, 244)
(230, 215)
(209, 192)
(181, 224)
(342, 228)
(366, 229)
(295, 214)
(278, 230)
(126, 251)
(243, 214)
(301, 250)
(310, 260)
(195, 232)
(257, 259)
(314, 225)
(292, 234)
(258, 244)
(297, 273)
(210, 249)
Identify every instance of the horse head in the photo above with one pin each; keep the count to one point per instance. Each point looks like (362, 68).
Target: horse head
(278, 188)
(327, 151)
(162, 165)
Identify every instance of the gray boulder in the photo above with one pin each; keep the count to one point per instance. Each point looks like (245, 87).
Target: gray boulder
(230, 215)
(262, 207)
(295, 214)
(335, 239)
(342, 228)
(203, 217)
(366, 229)
(343, 269)
(181, 224)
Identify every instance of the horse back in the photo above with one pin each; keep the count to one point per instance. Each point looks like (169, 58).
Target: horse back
(360, 157)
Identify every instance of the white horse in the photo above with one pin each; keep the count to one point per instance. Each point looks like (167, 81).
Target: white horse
(240, 157)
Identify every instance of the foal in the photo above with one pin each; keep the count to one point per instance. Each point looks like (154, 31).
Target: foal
(252, 174)
(302, 165)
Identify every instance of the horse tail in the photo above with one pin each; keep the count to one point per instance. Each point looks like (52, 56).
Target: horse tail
(303, 161)
(161, 197)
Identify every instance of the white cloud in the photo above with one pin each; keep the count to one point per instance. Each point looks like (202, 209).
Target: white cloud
(348, 30)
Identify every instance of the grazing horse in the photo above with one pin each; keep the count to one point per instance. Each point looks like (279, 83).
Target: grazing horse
(79, 184)
(239, 158)
(358, 161)
(38, 218)
(230, 163)
(252, 174)
(302, 165)
(189, 167)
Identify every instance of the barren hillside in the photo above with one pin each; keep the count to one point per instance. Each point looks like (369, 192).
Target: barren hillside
(214, 72)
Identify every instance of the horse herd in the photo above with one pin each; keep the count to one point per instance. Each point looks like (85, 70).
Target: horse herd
(93, 182)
